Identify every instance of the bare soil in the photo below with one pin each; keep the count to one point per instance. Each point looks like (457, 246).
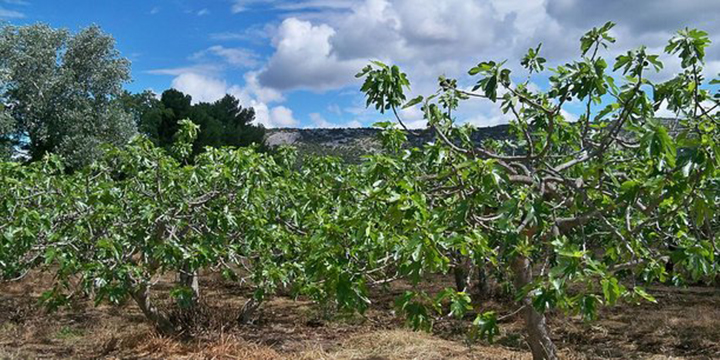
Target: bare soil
(684, 324)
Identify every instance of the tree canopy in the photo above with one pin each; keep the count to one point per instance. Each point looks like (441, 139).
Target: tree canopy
(570, 209)
(221, 123)
(61, 90)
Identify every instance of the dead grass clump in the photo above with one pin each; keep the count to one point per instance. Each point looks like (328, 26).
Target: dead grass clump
(203, 319)
(230, 347)
(405, 344)
(224, 347)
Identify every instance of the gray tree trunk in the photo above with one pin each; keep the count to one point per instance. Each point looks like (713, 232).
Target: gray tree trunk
(460, 278)
(189, 279)
(463, 272)
(141, 295)
(482, 287)
(538, 339)
(247, 311)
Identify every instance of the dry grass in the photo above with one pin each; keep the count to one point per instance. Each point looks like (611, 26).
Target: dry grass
(225, 347)
(407, 345)
(685, 324)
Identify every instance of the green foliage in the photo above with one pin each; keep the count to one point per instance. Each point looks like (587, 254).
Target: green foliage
(493, 75)
(532, 61)
(597, 37)
(222, 123)
(7, 130)
(485, 326)
(612, 198)
(138, 104)
(383, 85)
(573, 213)
(691, 44)
(62, 90)
(184, 138)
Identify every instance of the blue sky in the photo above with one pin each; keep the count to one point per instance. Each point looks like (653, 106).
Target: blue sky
(293, 61)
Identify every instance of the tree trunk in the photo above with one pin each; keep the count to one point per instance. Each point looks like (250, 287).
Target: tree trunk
(460, 277)
(463, 273)
(189, 278)
(538, 339)
(247, 311)
(141, 295)
(482, 288)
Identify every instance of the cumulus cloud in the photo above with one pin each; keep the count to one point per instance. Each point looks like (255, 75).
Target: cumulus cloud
(428, 38)
(279, 116)
(413, 118)
(206, 88)
(304, 60)
(640, 16)
(320, 44)
(264, 94)
(282, 117)
(201, 88)
(447, 35)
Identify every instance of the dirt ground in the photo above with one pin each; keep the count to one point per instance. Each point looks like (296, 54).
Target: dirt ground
(685, 324)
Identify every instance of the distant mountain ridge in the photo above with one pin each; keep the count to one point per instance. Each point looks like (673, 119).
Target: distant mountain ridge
(351, 143)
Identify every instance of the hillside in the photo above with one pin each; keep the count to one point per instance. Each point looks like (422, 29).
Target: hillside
(351, 143)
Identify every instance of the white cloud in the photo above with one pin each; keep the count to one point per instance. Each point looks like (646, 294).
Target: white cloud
(203, 69)
(292, 5)
(314, 5)
(237, 57)
(255, 33)
(413, 118)
(334, 109)
(10, 14)
(320, 50)
(205, 88)
(243, 5)
(320, 44)
(203, 12)
(568, 116)
(486, 116)
(201, 88)
(712, 69)
(253, 91)
(263, 94)
(279, 116)
(155, 10)
(318, 121)
(304, 60)
(664, 112)
(17, 2)
(228, 36)
(282, 117)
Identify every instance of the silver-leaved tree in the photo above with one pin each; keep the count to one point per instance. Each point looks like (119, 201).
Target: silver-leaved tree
(61, 90)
